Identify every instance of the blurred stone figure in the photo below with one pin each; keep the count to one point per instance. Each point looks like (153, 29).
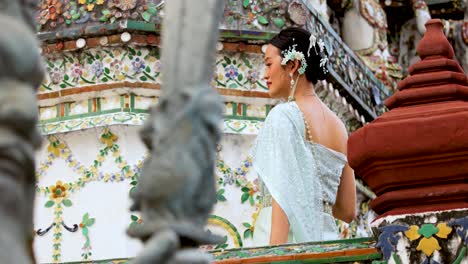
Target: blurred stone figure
(460, 39)
(20, 74)
(176, 191)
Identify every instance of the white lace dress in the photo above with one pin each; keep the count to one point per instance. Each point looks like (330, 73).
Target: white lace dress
(301, 176)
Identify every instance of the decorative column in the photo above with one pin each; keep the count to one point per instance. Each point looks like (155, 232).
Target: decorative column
(415, 158)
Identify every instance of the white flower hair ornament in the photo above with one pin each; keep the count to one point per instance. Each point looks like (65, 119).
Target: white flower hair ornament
(292, 54)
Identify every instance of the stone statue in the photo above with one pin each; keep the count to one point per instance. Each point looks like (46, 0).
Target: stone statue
(321, 7)
(411, 33)
(364, 30)
(421, 14)
(21, 73)
(176, 191)
(459, 36)
(413, 30)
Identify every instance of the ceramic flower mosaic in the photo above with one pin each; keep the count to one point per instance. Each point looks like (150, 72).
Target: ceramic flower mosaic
(109, 65)
(433, 241)
(237, 185)
(65, 13)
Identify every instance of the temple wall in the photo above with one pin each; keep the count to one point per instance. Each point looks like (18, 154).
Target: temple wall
(92, 105)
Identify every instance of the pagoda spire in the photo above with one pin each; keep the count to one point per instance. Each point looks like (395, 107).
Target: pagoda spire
(415, 158)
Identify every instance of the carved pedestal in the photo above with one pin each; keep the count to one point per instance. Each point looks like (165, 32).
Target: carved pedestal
(414, 158)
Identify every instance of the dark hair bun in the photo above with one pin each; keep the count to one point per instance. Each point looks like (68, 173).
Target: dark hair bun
(300, 37)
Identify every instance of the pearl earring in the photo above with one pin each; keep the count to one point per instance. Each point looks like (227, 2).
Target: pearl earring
(291, 96)
(292, 80)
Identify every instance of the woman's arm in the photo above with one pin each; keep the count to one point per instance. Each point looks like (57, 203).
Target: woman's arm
(279, 225)
(345, 204)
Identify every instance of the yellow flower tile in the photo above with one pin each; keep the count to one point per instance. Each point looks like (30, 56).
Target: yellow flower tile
(412, 233)
(255, 216)
(121, 77)
(428, 245)
(82, 170)
(53, 150)
(444, 230)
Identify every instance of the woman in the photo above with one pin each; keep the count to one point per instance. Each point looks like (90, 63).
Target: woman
(300, 153)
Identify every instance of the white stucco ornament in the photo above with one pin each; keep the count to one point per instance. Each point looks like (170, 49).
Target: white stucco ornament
(80, 43)
(219, 46)
(125, 37)
(103, 41)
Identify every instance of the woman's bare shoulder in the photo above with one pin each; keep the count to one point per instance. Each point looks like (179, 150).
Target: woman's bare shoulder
(338, 130)
(336, 123)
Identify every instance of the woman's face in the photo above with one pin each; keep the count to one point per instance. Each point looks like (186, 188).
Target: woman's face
(276, 76)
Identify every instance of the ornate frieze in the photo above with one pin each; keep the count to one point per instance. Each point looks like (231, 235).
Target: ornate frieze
(248, 20)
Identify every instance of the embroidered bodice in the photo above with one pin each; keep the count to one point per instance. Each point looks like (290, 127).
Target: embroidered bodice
(301, 175)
